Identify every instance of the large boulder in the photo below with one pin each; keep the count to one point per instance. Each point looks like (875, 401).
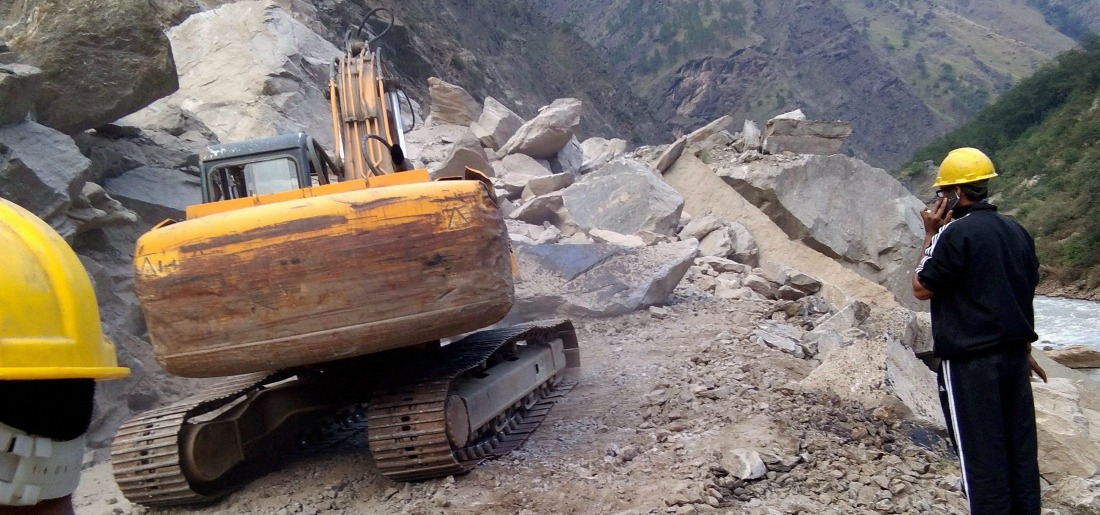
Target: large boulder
(598, 152)
(465, 153)
(705, 192)
(872, 370)
(805, 136)
(751, 137)
(702, 133)
(1076, 356)
(669, 156)
(596, 279)
(429, 145)
(545, 135)
(451, 103)
(569, 159)
(95, 209)
(249, 70)
(1068, 431)
(156, 193)
(624, 197)
(42, 170)
(496, 124)
(867, 220)
(699, 227)
(100, 60)
(729, 240)
(19, 86)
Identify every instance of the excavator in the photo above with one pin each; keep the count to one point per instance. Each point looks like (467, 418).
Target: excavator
(339, 296)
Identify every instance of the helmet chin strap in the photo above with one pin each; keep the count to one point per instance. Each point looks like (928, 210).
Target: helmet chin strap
(34, 469)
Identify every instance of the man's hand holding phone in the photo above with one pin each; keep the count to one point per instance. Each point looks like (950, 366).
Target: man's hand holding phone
(938, 213)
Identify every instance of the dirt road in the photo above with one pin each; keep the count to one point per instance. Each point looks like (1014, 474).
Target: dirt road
(665, 402)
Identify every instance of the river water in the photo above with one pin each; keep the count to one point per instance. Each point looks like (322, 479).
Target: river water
(1064, 322)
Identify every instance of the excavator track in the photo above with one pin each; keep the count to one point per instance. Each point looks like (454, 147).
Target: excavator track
(406, 418)
(145, 454)
(408, 424)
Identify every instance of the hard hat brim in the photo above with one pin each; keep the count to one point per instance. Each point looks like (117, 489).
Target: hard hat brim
(967, 180)
(42, 373)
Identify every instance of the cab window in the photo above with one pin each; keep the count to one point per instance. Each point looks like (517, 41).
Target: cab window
(257, 178)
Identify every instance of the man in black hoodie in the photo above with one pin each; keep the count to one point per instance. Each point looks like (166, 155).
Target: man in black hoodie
(980, 271)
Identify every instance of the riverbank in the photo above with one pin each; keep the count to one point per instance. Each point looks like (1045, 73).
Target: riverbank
(1051, 288)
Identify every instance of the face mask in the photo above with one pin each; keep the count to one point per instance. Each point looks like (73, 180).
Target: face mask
(34, 469)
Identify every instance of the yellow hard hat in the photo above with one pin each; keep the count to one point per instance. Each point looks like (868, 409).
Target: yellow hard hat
(49, 321)
(964, 165)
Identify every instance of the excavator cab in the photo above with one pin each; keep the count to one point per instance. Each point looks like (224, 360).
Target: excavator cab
(262, 166)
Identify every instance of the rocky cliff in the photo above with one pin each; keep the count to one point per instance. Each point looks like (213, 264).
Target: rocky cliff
(906, 70)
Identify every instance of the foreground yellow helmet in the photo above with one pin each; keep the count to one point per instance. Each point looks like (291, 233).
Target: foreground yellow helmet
(964, 165)
(49, 320)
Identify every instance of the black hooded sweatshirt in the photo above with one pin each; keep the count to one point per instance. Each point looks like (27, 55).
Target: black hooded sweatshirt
(982, 270)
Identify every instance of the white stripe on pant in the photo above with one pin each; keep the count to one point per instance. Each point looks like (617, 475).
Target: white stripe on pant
(955, 428)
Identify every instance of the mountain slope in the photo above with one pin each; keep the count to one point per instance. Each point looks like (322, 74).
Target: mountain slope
(508, 50)
(941, 58)
(1044, 137)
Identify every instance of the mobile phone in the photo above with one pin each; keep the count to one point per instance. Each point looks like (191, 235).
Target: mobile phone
(952, 198)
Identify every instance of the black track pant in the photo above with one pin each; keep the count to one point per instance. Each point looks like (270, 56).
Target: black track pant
(989, 410)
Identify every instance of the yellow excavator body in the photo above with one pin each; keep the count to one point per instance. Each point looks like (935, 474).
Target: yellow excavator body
(292, 282)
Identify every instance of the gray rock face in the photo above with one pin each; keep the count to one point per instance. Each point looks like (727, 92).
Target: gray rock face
(784, 337)
(496, 124)
(744, 464)
(452, 104)
(750, 134)
(466, 152)
(1074, 496)
(790, 277)
(624, 197)
(918, 333)
(699, 227)
(1064, 425)
(546, 134)
(569, 159)
(95, 209)
(100, 59)
(548, 183)
(598, 152)
(728, 240)
(670, 155)
(249, 70)
(547, 208)
(525, 165)
(430, 145)
(19, 85)
(805, 136)
(869, 370)
(868, 221)
(745, 249)
(156, 193)
(42, 170)
(596, 279)
(717, 243)
(1076, 356)
(699, 135)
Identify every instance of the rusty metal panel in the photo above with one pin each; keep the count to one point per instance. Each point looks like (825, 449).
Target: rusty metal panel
(323, 278)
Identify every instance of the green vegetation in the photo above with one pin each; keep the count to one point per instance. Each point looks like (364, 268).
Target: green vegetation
(1044, 137)
(1062, 18)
